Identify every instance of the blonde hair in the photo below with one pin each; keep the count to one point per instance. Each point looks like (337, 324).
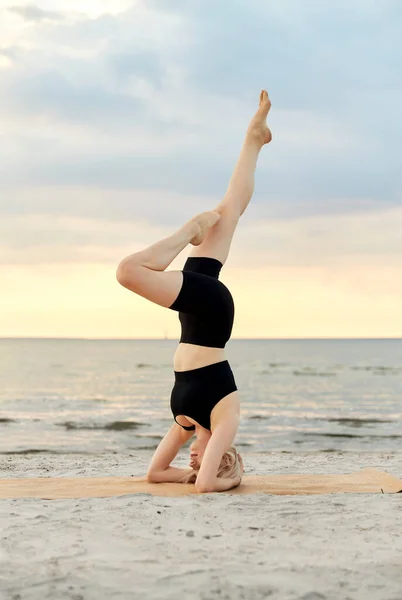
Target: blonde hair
(229, 467)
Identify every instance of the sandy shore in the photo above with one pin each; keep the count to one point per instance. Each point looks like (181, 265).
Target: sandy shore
(341, 546)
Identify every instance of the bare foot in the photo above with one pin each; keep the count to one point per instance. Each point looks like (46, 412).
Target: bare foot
(258, 129)
(201, 224)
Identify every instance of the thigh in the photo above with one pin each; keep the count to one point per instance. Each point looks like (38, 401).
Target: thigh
(227, 409)
(160, 287)
(216, 243)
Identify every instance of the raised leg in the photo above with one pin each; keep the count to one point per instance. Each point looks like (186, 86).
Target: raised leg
(217, 242)
(144, 272)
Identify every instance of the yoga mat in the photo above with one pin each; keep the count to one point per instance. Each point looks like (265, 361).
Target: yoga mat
(369, 481)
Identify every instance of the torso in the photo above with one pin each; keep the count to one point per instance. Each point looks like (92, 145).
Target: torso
(206, 312)
(190, 356)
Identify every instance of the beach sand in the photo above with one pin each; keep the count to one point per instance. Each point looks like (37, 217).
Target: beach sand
(214, 546)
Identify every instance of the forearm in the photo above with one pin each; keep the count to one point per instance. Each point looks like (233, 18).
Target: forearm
(169, 475)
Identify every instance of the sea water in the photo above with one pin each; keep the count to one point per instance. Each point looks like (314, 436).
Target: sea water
(97, 396)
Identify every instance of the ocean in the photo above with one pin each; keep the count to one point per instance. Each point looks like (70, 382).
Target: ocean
(98, 396)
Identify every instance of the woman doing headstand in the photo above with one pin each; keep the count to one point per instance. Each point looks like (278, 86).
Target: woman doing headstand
(204, 398)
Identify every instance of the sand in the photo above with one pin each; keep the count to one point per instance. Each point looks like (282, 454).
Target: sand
(214, 546)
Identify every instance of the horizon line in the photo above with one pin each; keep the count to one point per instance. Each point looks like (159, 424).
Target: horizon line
(142, 339)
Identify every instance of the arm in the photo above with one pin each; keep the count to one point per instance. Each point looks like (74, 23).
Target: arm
(159, 470)
(221, 439)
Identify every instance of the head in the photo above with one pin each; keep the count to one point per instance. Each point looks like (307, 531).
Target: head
(231, 464)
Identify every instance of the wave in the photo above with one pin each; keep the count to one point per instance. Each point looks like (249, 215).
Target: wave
(114, 426)
(351, 435)
(356, 422)
(380, 368)
(4, 420)
(258, 417)
(43, 451)
(150, 447)
(311, 373)
(100, 399)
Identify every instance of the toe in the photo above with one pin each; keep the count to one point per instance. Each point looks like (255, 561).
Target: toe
(265, 105)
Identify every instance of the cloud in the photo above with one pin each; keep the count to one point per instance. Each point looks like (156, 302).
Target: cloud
(54, 239)
(133, 63)
(310, 56)
(348, 241)
(32, 13)
(204, 73)
(51, 95)
(343, 240)
(303, 277)
(109, 206)
(156, 99)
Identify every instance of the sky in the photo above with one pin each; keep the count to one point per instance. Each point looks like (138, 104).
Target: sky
(120, 120)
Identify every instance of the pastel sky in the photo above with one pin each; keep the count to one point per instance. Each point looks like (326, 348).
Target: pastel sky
(119, 120)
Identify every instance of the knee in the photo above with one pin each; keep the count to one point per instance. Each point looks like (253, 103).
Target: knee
(127, 271)
(121, 272)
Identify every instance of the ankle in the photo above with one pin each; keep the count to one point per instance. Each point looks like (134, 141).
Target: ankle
(190, 230)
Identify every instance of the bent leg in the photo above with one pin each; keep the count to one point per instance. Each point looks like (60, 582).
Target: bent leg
(241, 186)
(144, 272)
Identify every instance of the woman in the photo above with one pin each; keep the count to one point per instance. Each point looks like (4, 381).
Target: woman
(204, 399)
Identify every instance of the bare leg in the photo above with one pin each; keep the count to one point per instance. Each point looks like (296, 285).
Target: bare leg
(241, 186)
(144, 272)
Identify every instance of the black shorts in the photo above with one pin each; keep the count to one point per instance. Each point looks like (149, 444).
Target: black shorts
(205, 305)
(197, 391)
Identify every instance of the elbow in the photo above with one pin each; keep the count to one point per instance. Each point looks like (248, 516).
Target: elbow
(152, 477)
(204, 487)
